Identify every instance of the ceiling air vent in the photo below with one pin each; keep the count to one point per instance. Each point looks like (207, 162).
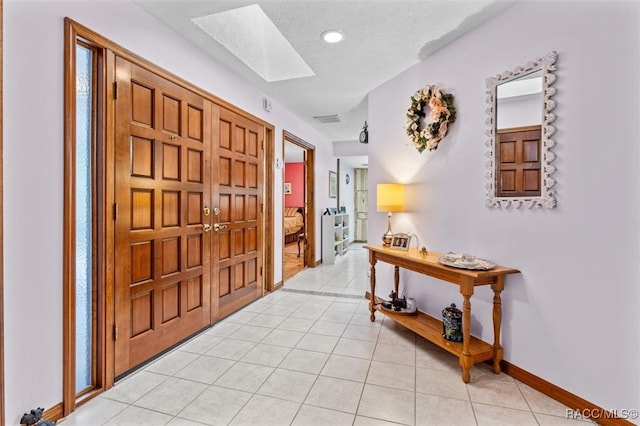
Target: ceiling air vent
(327, 118)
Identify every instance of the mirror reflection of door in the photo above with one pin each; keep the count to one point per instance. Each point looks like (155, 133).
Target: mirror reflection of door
(518, 166)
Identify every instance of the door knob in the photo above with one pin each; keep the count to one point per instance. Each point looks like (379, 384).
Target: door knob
(206, 228)
(217, 227)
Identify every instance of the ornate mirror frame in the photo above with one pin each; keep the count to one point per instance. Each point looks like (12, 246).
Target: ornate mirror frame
(547, 192)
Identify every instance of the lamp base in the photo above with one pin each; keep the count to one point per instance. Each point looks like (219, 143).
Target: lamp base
(386, 239)
(388, 236)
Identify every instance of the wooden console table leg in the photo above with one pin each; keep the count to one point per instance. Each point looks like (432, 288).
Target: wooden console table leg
(497, 322)
(396, 279)
(372, 280)
(466, 360)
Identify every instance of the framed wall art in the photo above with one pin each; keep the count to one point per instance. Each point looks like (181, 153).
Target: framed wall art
(333, 184)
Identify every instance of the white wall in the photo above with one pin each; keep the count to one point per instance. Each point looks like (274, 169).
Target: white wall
(571, 317)
(350, 149)
(33, 165)
(522, 111)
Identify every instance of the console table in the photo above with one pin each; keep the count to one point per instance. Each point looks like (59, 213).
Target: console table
(471, 350)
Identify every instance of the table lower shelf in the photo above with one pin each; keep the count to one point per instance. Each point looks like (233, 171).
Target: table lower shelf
(431, 329)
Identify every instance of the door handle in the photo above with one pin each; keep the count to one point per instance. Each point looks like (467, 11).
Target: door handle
(206, 227)
(217, 227)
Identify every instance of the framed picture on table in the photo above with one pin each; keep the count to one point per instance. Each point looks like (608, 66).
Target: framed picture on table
(400, 241)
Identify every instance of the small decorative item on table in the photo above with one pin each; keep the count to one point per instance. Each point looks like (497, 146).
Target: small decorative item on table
(400, 241)
(400, 305)
(397, 302)
(452, 323)
(466, 261)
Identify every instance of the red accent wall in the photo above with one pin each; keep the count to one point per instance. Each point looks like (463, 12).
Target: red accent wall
(294, 173)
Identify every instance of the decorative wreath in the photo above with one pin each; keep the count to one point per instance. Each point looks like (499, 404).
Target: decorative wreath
(443, 113)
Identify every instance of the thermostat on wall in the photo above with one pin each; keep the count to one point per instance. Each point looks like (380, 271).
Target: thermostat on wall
(266, 104)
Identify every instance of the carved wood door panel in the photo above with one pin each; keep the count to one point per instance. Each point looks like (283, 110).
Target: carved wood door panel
(518, 172)
(237, 244)
(162, 254)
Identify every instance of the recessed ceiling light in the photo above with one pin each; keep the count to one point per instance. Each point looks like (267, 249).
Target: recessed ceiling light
(332, 36)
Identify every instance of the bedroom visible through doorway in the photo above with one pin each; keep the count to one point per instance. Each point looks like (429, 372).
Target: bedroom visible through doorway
(297, 203)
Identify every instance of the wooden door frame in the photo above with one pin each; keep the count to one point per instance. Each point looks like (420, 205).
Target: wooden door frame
(310, 210)
(104, 246)
(74, 30)
(268, 215)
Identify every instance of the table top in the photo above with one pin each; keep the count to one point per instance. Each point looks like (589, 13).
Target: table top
(413, 259)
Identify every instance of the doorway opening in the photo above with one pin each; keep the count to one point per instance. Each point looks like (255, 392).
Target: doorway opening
(353, 197)
(298, 218)
(361, 202)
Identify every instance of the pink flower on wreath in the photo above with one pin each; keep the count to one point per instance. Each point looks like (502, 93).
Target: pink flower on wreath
(437, 108)
(443, 130)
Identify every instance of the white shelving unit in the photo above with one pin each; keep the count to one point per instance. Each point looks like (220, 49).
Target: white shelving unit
(335, 237)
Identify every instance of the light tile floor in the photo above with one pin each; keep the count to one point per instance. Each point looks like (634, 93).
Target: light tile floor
(308, 355)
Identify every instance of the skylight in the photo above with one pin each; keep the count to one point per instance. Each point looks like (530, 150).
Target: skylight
(250, 35)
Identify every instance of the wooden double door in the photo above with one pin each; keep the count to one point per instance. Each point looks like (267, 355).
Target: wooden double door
(188, 179)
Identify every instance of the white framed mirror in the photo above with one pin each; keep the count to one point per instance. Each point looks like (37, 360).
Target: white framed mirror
(519, 136)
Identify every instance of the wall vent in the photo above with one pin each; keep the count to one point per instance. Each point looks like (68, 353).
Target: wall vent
(335, 118)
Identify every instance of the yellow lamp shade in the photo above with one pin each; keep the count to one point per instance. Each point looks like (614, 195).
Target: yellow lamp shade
(390, 197)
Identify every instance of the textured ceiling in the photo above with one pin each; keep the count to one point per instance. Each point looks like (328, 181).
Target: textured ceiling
(382, 39)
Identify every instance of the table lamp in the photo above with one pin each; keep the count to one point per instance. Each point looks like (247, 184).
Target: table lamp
(389, 198)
